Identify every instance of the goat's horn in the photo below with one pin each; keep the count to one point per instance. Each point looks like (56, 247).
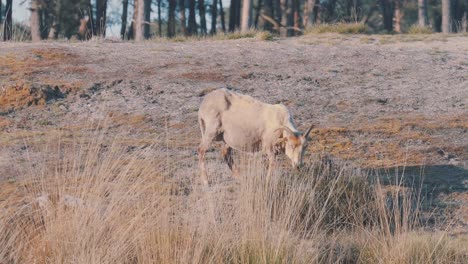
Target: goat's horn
(285, 128)
(308, 131)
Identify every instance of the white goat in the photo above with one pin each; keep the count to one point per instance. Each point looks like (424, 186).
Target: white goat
(246, 124)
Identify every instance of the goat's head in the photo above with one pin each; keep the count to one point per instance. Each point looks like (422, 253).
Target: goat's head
(294, 144)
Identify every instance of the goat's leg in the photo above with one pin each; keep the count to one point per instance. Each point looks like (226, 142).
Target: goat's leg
(201, 163)
(204, 145)
(226, 152)
(210, 134)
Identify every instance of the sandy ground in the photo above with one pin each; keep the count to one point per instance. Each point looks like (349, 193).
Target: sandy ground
(376, 101)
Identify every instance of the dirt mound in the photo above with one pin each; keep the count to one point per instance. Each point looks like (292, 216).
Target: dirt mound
(22, 95)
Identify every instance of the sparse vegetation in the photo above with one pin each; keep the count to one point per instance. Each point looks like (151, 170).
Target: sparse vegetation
(342, 28)
(264, 35)
(93, 201)
(419, 30)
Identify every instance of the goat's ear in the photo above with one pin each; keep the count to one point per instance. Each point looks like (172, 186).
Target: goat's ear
(282, 140)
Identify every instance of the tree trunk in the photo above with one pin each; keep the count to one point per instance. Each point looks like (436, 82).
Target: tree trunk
(465, 21)
(101, 11)
(286, 18)
(123, 27)
(43, 27)
(422, 13)
(91, 21)
(234, 15)
(7, 24)
(35, 21)
(258, 9)
(1, 14)
(296, 16)
(355, 12)
(246, 15)
(202, 13)
(183, 22)
(192, 23)
(214, 16)
(139, 19)
(267, 11)
(308, 13)
(223, 19)
(398, 14)
(277, 11)
(131, 28)
(159, 19)
(290, 18)
(316, 15)
(146, 26)
(330, 6)
(387, 13)
(446, 17)
(54, 23)
(171, 19)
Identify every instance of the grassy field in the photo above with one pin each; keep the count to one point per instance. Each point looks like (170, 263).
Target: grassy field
(96, 202)
(98, 152)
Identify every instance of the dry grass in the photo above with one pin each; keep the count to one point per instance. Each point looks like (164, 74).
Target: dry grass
(36, 66)
(390, 136)
(253, 33)
(90, 200)
(24, 94)
(415, 29)
(342, 28)
(35, 61)
(264, 35)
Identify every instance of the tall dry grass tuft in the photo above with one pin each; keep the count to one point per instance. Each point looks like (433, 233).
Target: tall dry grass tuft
(342, 28)
(94, 200)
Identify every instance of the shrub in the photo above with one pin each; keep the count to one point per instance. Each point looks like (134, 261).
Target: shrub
(342, 28)
(264, 35)
(415, 29)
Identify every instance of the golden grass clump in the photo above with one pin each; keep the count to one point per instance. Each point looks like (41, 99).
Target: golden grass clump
(264, 35)
(342, 28)
(92, 200)
(415, 29)
(235, 35)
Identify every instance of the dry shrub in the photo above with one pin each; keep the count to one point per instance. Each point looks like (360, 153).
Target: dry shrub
(235, 35)
(264, 35)
(415, 29)
(93, 201)
(342, 28)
